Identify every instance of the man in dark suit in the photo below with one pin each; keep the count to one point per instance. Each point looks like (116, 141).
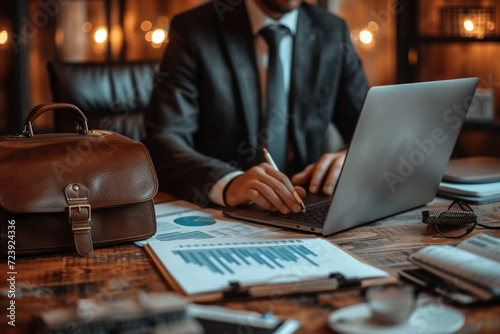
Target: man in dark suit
(225, 89)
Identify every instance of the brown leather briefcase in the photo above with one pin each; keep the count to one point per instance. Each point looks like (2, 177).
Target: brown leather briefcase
(62, 191)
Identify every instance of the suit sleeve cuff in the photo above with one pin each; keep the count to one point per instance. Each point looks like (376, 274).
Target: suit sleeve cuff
(216, 195)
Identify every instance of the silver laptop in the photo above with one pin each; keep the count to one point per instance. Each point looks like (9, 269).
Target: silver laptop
(398, 154)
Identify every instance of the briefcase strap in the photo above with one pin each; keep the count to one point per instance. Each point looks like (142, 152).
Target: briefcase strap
(80, 217)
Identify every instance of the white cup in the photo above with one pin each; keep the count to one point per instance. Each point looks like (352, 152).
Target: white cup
(392, 304)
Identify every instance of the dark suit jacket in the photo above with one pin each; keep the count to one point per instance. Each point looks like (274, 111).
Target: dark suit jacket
(203, 119)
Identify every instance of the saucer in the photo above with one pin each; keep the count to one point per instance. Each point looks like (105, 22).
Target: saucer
(430, 318)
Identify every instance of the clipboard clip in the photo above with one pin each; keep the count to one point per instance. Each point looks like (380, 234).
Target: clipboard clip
(345, 282)
(333, 282)
(235, 290)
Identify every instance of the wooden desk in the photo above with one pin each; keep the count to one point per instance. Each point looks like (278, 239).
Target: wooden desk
(59, 281)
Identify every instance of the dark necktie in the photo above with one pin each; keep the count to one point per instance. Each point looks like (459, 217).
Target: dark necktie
(276, 106)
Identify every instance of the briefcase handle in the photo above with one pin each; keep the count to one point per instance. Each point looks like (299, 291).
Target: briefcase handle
(82, 126)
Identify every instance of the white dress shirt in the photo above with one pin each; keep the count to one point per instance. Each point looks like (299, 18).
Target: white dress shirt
(259, 20)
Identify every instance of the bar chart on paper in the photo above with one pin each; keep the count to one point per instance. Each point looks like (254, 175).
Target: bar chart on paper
(217, 262)
(271, 255)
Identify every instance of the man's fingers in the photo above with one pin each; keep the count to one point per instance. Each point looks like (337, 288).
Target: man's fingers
(278, 177)
(333, 175)
(282, 186)
(266, 187)
(260, 200)
(301, 191)
(274, 186)
(319, 172)
(275, 194)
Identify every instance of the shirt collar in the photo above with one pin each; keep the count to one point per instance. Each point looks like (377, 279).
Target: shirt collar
(259, 20)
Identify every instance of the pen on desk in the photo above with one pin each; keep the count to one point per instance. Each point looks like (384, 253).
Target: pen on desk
(270, 160)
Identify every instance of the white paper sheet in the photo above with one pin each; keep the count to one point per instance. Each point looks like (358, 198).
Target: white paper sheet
(209, 265)
(181, 220)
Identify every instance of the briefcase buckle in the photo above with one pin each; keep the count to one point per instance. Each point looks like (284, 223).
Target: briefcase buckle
(79, 207)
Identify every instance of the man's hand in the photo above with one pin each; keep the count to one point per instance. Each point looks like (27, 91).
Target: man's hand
(327, 169)
(266, 187)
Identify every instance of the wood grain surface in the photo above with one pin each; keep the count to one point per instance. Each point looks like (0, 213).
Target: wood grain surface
(53, 281)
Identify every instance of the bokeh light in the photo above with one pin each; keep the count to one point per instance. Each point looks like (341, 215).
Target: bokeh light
(158, 36)
(4, 36)
(468, 25)
(146, 25)
(365, 37)
(100, 35)
(163, 21)
(87, 27)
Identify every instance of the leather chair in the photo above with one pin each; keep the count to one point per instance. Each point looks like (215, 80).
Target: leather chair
(113, 96)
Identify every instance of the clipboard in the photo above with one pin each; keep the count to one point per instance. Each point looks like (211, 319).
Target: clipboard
(331, 283)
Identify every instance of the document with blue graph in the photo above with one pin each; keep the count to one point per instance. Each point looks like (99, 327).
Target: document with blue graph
(182, 220)
(210, 265)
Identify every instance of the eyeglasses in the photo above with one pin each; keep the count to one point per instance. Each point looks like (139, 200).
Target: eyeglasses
(392, 304)
(455, 222)
(490, 224)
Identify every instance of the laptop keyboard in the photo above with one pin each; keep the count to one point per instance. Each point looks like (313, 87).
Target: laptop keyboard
(316, 214)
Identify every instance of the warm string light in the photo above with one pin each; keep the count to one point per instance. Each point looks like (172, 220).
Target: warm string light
(366, 36)
(156, 36)
(87, 27)
(163, 21)
(100, 35)
(4, 36)
(469, 25)
(146, 26)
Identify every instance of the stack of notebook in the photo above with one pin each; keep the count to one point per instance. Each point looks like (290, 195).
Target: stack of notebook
(467, 273)
(474, 179)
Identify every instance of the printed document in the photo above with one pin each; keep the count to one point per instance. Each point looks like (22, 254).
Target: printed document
(210, 265)
(182, 220)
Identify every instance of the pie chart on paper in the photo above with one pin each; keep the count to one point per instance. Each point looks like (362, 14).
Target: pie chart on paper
(194, 221)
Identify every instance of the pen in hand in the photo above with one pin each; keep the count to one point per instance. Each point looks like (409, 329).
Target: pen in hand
(270, 160)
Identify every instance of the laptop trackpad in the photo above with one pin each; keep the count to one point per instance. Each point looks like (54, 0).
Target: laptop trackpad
(311, 199)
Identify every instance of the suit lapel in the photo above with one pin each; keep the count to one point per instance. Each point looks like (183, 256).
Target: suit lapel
(239, 42)
(306, 54)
